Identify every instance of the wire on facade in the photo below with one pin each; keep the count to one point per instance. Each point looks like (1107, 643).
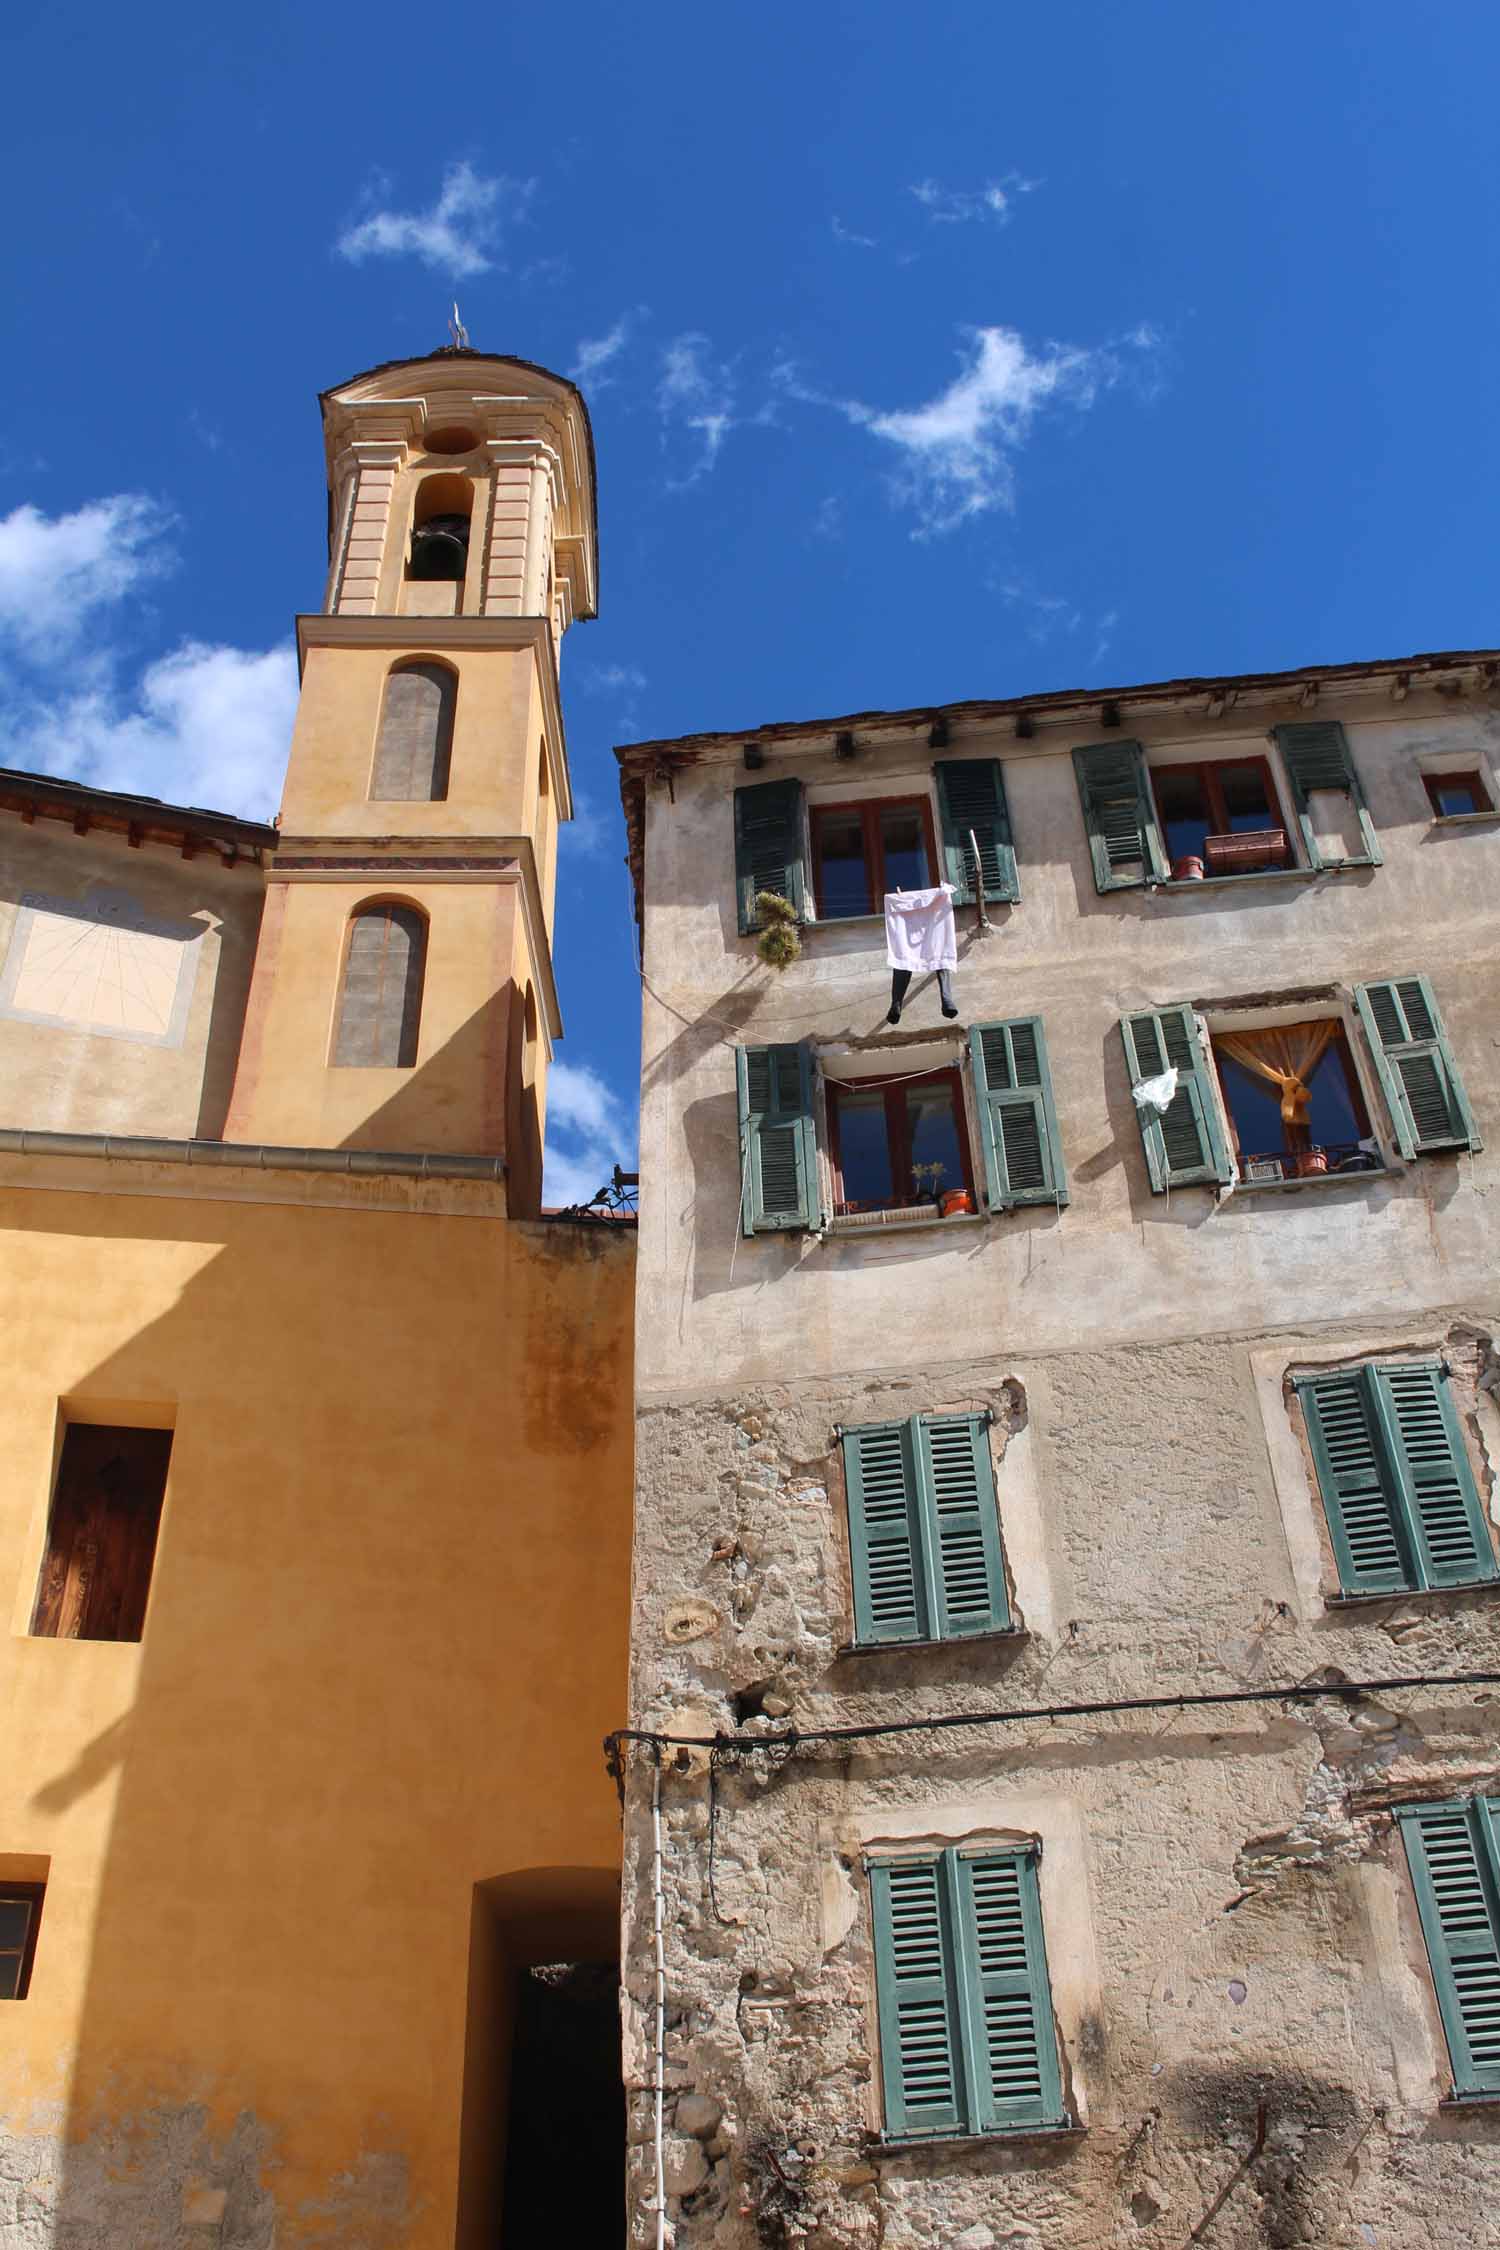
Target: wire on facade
(791, 1739)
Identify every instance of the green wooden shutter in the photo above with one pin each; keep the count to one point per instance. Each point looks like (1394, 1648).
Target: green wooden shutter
(1365, 1522)
(1023, 1160)
(1120, 815)
(1187, 1144)
(1317, 757)
(1451, 1851)
(1447, 1518)
(768, 847)
(920, 2056)
(1005, 1990)
(778, 1139)
(971, 796)
(1419, 1077)
(880, 1477)
(965, 1568)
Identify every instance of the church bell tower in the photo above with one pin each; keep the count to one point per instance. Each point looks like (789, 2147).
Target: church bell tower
(403, 996)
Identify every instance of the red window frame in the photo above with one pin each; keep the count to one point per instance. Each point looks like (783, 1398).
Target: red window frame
(1471, 779)
(867, 811)
(898, 1139)
(1295, 1138)
(1206, 769)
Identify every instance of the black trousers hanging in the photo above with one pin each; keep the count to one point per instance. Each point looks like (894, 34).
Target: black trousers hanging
(900, 981)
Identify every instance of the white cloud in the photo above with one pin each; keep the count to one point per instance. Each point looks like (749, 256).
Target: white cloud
(596, 352)
(204, 724)
(588, 1134)
(697, 391)
(957, 206)
(609, 679)
(56, 571)
(456, 236)
(956, 451)
(841, 233)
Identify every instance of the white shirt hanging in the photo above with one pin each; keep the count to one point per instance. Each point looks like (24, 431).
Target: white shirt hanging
(919, 929)
(1156, 1093)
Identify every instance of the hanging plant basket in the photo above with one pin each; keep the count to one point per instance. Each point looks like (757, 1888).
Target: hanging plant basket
(779, 943)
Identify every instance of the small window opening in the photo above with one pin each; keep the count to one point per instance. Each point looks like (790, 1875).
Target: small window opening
(20, 1915)
(101, 1535)
(1220, 818)
(440, 528)
(1294, 1101)
(897, 1146)
(451, 439)
(861, 851)
(1454, 796)
(567, 2034)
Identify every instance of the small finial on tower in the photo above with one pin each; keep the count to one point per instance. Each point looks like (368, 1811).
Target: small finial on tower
(458, 332)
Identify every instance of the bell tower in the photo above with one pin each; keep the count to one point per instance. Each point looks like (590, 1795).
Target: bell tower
(403, 995)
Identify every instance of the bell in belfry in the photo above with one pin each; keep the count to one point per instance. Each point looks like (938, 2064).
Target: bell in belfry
(440, 547)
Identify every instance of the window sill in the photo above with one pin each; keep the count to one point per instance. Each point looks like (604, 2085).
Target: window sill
(950, 1641)
(1469, 820)
(1314, 1180)
(1003, 2135)
(1414, 1594)
(1256, 875)
(875, 1229)
(1452, 2102)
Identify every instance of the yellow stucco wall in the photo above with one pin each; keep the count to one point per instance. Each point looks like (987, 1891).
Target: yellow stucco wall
(386, 1632)
(498, 722)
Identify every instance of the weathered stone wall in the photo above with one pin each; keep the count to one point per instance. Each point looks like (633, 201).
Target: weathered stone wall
(1236, 1966)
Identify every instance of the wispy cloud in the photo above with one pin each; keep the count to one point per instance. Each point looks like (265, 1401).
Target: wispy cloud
(841, 233)
(956, 452)
(623, 684)
(947, 206)
(203, 724)
(696, 393)
(589, 1132)
(460, 235)
(1049, 617)
(597, 353)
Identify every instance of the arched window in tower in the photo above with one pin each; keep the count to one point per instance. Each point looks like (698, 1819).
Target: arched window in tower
(440, 528)
(380, 1006)
(415, 740)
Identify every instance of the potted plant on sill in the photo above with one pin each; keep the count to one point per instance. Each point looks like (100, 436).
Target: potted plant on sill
(1247, 851)
(932, 1172)
(1310, 1162)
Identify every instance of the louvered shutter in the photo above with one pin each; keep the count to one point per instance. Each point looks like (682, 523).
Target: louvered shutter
(768, 847)
(971, 799)
(1370, 1539)
(1120, 815)
(1023, 1160)
(1003, 1963)
(1453, 1546)
(920, 2058)
(1420, 1079)
(1187, 1144)
(956, 1493)
(778, 1140)
(880, 1477)
(1451, 1852)
(1317, 757)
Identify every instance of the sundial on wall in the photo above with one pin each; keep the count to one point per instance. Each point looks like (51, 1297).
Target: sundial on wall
(100, 964)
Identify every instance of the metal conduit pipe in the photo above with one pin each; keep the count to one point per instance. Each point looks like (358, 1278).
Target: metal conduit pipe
(260, 1156)
(659, 2059)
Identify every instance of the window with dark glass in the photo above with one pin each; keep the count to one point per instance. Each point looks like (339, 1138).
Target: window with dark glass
(1294, 1102)
(1223, 814)
(896, 1147)
(20, 1913)
(1452, 795)
(861, 851)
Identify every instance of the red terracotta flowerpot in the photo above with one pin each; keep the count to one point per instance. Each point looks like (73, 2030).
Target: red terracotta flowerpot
(1189, 870)
(1310, 1161)
(956, 1201)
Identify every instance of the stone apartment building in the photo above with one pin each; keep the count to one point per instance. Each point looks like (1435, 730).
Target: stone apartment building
(315, 1500)
(1061, 1800)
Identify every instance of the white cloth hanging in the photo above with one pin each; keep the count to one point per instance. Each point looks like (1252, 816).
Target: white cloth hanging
(1156, 1093)
(919, 929)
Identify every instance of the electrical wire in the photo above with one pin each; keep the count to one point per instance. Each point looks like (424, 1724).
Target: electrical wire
(791, 1738)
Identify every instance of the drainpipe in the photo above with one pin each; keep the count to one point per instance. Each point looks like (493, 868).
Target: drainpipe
(661, 2004)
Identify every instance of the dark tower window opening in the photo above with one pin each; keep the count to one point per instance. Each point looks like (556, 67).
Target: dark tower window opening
(567, 2034)
(440, 528)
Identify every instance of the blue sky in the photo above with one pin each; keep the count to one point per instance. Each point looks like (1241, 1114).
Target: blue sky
(935, 353)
